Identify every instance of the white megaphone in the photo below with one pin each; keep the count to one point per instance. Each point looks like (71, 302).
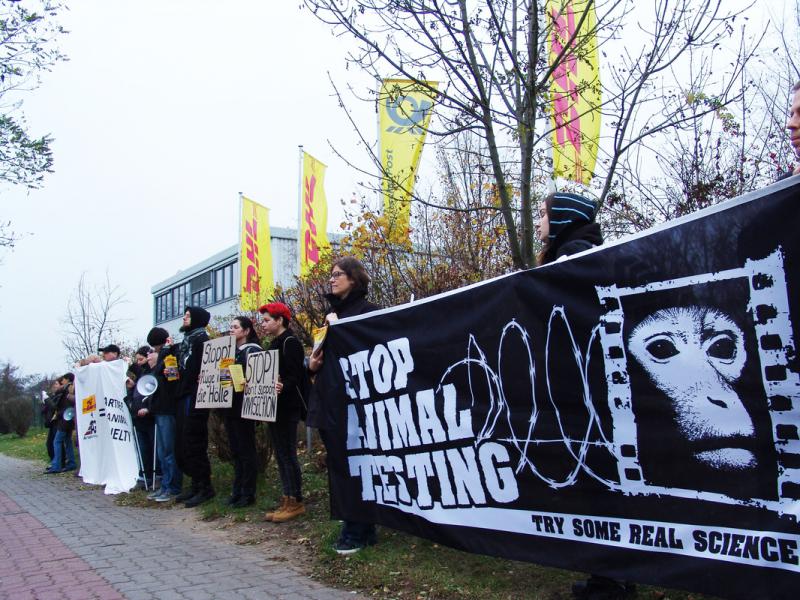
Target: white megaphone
(146, 385)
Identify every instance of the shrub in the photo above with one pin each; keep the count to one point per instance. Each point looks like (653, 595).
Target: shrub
(17, 415)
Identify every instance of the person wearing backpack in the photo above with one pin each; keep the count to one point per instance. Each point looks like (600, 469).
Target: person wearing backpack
(283, 430)
(242, 432)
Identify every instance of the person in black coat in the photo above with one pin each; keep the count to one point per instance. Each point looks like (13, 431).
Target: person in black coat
(143, 423)
(242, 432)
(349, 283)
(161, 405)
(63, 423)
(283, 431)
(566, 226)
(192, 423)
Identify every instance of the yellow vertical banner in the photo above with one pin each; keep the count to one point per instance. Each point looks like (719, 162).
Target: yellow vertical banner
(255, 256)
(404, 113)
(575, 88)
(313, 240)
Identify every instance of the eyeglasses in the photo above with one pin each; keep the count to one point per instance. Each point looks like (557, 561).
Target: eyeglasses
(337, 274)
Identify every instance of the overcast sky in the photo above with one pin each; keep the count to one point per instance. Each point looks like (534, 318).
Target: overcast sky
(163, 114)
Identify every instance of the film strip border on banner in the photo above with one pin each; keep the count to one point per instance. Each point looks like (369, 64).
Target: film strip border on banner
(769, 307)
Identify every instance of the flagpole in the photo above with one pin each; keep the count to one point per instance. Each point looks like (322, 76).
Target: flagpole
(239, 249)
(299, 208)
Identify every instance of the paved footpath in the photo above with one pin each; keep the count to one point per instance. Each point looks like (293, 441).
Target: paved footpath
(61, 542)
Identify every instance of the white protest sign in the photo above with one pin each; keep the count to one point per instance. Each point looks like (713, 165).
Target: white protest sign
(260, 398)
(211, 392)
(105, 429)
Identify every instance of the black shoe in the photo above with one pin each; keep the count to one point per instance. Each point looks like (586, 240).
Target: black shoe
(233, 499)
(186, 495)
(53, 471)
(350, 546)
(243, 501)
(603, 588)
(204, 495)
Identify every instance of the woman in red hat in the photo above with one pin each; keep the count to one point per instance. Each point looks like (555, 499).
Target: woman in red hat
(283, 430)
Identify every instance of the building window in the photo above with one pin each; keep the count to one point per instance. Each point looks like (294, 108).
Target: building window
(218, 287)
(204, 289)
(228, 280)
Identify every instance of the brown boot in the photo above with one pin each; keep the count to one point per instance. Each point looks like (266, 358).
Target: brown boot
(270, 516)
(294, 508)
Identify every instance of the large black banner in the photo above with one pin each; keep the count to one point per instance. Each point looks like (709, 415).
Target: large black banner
(631, 412)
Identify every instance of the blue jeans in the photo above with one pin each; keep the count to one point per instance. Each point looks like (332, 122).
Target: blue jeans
(63, 444)
(171, 476)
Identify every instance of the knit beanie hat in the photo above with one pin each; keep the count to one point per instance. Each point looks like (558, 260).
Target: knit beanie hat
(157, 336)
(569, 208)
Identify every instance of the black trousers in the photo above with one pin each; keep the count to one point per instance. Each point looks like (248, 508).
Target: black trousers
(191, 443)
(355, 532)
(51, 436)
(242, 441)
(284, 442)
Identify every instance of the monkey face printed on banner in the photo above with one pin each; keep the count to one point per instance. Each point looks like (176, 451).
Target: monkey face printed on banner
(695, 355)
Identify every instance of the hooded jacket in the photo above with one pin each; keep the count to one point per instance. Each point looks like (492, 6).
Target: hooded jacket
(574, 238)
(190, 353)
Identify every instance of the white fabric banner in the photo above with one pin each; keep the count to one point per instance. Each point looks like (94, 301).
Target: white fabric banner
(104, 426)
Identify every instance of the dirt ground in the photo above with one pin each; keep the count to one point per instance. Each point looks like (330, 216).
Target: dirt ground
(286, 542)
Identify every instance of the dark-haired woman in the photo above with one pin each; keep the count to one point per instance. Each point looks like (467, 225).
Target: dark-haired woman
(349, 283)
(242, 432)
(283, 430)
(567, 226)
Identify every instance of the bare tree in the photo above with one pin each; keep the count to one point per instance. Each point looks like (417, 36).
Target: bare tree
(492, 59)
(91, 319)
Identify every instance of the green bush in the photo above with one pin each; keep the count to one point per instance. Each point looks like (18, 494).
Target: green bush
(16, 415)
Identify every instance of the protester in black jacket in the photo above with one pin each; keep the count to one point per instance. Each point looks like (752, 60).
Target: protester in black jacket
(242, 432)
(64, 424)
(49, 417)
(349, 282)
(143, 424)
(161, 404)
(192, 423)
(283, 431)
(566, 226)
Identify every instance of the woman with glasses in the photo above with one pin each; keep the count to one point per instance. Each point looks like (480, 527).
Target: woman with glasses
(349, 282)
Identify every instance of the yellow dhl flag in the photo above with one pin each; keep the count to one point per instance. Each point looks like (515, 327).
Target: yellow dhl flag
(255, 256)
(313, 240)
(575, 88)
(404, 113)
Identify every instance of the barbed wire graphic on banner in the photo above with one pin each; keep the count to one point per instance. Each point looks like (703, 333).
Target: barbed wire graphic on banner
(692, 343)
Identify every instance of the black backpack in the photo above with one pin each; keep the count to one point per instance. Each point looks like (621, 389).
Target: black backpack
(303, 385)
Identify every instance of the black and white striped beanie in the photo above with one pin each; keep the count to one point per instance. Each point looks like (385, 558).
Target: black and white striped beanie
(569, 208)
